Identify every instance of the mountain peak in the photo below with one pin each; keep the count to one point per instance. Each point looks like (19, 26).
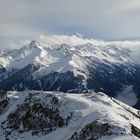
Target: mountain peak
(34, 43)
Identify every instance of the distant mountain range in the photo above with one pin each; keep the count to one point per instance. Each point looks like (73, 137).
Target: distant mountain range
(108, 67)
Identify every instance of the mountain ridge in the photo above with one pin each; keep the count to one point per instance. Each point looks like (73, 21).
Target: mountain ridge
(71, 67)
(74, 116)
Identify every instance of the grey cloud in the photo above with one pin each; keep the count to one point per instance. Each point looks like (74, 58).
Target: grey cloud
(102, 19)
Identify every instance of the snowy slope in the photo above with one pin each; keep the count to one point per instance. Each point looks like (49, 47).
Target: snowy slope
(73, 64)
(63, 57)
(128, 96)
(96, 108)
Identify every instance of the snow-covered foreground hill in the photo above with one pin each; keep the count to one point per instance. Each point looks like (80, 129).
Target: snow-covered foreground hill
(60, 116)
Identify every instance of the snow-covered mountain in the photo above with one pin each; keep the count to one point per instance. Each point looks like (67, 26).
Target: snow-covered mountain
(65, 116)
(73, 64)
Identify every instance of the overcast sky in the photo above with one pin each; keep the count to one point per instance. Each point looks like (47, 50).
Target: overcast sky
(22, 20)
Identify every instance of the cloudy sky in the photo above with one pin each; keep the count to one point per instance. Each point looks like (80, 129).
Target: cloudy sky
(22, 20)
